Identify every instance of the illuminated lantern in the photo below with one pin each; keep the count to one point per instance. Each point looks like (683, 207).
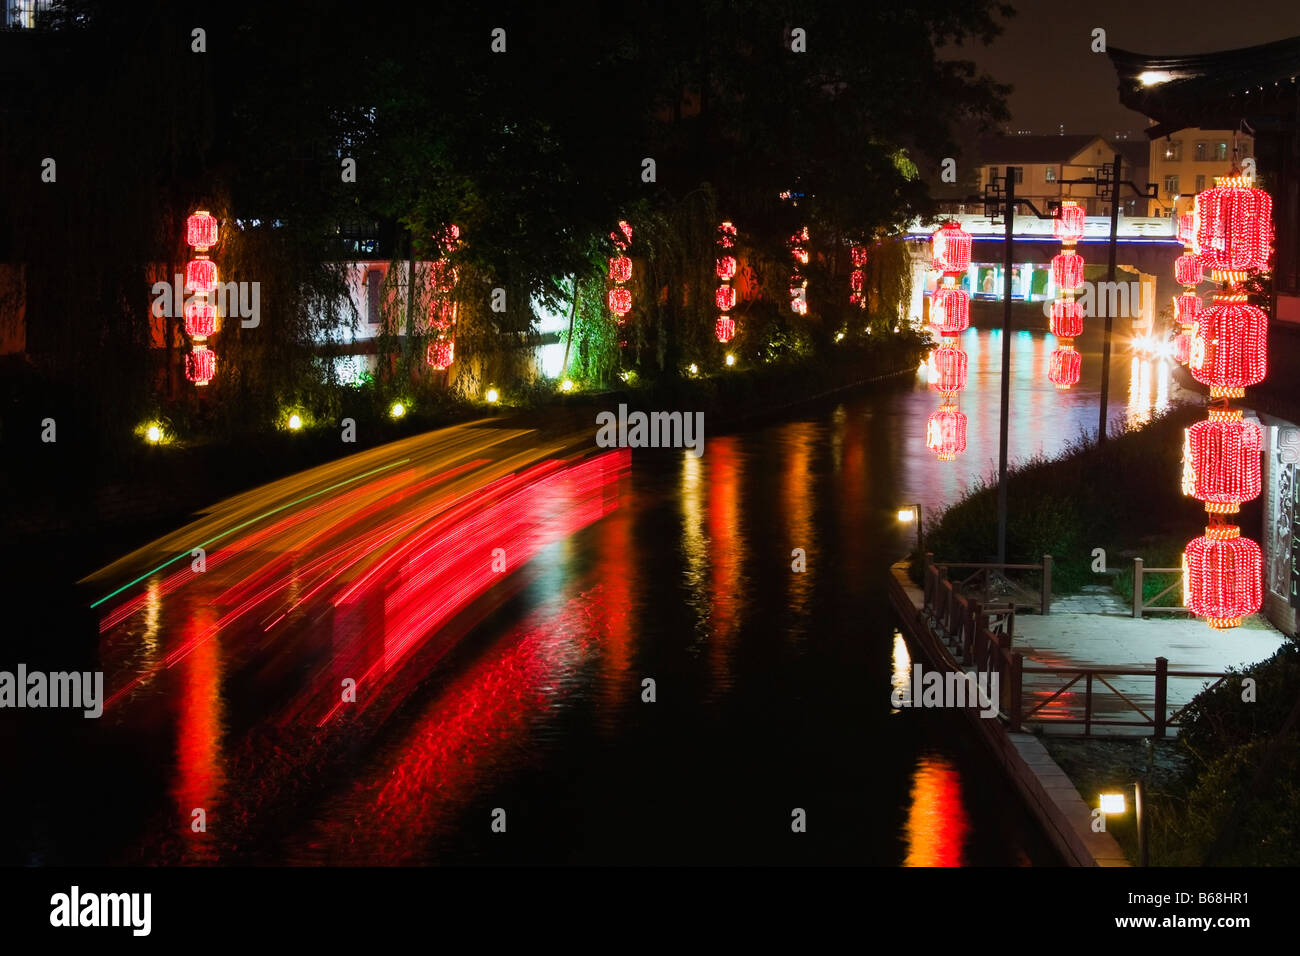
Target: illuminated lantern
(1223, 576)
(945, 432)
(1186, 308)
(1069, 227)
(726, 235)
(951, 248)
(200, 365)
(1229, 348)
(448, 239)
(1065, 368)
(1225, 455)
(856, 279)
(950, 311)
(1187, 229)
(201, 275)
(1182, 347)
(442, 314)
(620, 301)
(201, 230)
(200, 318)
(725, 298)
(620, 268)
(1067, 318)
(950, 365)
(859, 256)
(724, 329)
(798, 301)
(1234, 227)
(1189, 271)
(727, 267)
(1067, 270)
(443, 275)
(441, 354)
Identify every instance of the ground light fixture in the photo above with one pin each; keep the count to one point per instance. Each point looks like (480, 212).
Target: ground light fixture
(492, 396)
(153, 434)
(694, 369)
(295, 422)
(397, 410)
(1112, 803)
(566, 385)
(839, 336)
(730, 359)
(908, 514)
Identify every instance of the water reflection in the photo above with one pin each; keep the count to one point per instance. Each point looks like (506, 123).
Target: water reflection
(936, 819)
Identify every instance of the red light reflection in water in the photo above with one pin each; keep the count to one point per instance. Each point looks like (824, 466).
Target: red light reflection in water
(726, 553)
(200, 771)
(936, 821)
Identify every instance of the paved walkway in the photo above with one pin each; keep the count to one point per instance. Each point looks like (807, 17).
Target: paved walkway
(1096, 629)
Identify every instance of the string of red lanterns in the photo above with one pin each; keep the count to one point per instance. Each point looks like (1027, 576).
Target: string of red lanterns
(443, 310)
(798, 244)
(725, 297)
(1232, 233)
(945, 429)
(857, 278)
(1067, 314)
(620, 272)
(201, 314)
(1190, 272)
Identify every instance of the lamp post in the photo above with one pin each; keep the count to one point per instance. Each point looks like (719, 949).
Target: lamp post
(1112, 804)
(912, 513)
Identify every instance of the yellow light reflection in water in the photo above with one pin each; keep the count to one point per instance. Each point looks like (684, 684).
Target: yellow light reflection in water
(901, 680)
(936, 820)
(798, 439)
(1145, 376)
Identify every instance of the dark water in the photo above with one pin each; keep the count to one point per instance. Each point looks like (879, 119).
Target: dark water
(771, 687)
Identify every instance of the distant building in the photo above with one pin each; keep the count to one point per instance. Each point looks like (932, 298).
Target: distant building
(1184, 163)
(1045, 162)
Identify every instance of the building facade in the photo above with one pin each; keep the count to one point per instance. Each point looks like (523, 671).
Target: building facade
(1046, 163)
(1186, 162)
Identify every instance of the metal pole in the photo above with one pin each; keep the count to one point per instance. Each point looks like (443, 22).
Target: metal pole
(1010, 215)
(1141, 820)
(1110, 278)
(919, 548)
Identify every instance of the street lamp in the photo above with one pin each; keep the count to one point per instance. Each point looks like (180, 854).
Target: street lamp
(1113, 804)
(909, 514)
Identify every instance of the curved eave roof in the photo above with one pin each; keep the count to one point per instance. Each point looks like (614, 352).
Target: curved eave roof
(1212, 90)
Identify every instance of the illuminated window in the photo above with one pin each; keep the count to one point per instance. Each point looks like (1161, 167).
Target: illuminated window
(1202, 151)
(1220, 151)
(1050, 175)
(21, 14)
(1174, 150)
(1200, 182)
(1171, 185)
(1019, 173)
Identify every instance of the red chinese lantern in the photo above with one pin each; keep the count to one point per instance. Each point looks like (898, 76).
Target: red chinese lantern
(1189, 271)
(1223, 576)
(950, 365)
(1065, 368)
(950, 311)
(1225, 456)
(200, 365)
(726, 235)
(1069, 227)
(1234, 227)
(442, 314)
(1186, 308)
(1067, 318)
(620, 268)
(951, 248)
(858, 254)
(201, 230)
(724, 329)
(1067, 271)
(1182, 347)
(443, 275)
(622, 238)
(727, 267)
(200, 318)
(620, 301)
(856, 279)
(1187, 229)
(725, 297)
(1229, 348)
(945, 432)
(201, 275)
(441, 353)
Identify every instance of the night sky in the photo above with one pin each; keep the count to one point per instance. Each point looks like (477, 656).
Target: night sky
(1044, 52)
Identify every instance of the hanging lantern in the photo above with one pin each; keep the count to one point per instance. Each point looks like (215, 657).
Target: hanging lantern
(945, 432)
(623, 236)
(1223, 576)
(1234, 227)
(725, 298)
(200, 365)
(441, 353)
(1186, 308)
(1229, 348)
(1182, 347)
(1225, 457)
(1067, 271)
(620, 268)
(858, 255)
(726, 267)
(442, 314)
(724, 329)
(1189, 271)
(950, 368)
(1065, 368)
(951, 248)
(855, 280)
(950, 311)
(443, 275)
(201, 230)
(200, 318)
(1069, 227)
(1067, 318)
(727, 235)
(620, 301)
(201, 275)
(1187, 229)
